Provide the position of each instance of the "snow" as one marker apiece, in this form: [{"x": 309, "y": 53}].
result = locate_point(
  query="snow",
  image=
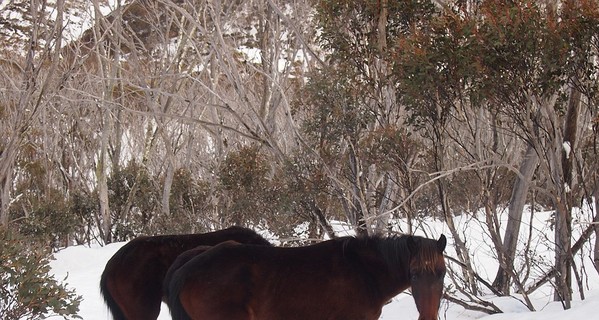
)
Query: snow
[
  {"x": 81, "y": 266},
  {"x": 567, "y": 148}
]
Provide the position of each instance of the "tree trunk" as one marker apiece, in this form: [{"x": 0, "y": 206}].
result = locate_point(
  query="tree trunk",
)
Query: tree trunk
[
  {"x": 320, "y": 218},
  {"x": 596, "y": 222},
  {"x": 563, "y": 253},
  {"x": 563, "y": 203},
  {"x": 108, "y": 72},
  {"x": 269, "y": 68},
  {"x": 102, "y": 178},
  {"x": 7, "y": 158},
  {"x": 356, "y": 207},
  {"x": 517, "y": 201},
  {"x": 168, "y": 183},
  {"x": 390, "y": 189}
]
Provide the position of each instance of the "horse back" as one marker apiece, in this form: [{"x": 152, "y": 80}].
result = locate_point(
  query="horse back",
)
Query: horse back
[{"x": 269, "y": 282}]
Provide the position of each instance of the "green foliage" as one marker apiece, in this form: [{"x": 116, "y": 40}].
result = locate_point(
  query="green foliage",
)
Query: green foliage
[
  {"x": 244, "y": 170},
  {"x": 253, "y": 189},
  {"x": 187, "y": 195},
  {"x": 521, "y": 47},
  {"x": 133, "y": 199},
  {"x": 27, "y": 290},
  {"x": 334, "y": 110},
  {"x": 391, "y": 148},
  {"x": 580, "y": 28},
  {"x": 50, "y": 218},
  {"x": 42, "y": 211},
  {"x": 190, "y": 203},
  {"x": 84, "y": 206},
  {"x": 500, "y": 56},
  {"x": 434, "y": 67},
  {"x": 349, "y": 118},
  {"x": 133, "y": 178},
  {"x": 350, "y": 28},
  {"x": 308, "y": 187},
  {"x": 245, "y": 186}
]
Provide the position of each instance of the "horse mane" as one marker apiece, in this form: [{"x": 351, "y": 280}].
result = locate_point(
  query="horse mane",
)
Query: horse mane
[
  {"x": 429, "y": 257},
  {"x": 394, "y": 250},
  {"x": 398, "y": 250}
]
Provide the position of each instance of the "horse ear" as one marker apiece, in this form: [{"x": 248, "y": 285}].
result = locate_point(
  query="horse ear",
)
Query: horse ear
[
  {"x": 441, "y": 243},
  {"x": 412, "y": 246}
]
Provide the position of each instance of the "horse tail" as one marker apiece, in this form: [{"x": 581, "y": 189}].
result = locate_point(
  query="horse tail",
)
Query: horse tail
[
  {"x": 172, "y": 290},
  {"x": 113, "y": 307}
]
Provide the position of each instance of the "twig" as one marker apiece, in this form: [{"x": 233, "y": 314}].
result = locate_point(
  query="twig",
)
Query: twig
[
  {"x": 466, "y": 305},
  {"x": 479, "y": 278}
]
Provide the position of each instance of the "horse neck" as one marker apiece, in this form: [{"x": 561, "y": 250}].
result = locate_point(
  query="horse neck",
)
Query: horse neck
[
  {"x": 394, "y": 251},
  {"x": 387, "y": 264}
]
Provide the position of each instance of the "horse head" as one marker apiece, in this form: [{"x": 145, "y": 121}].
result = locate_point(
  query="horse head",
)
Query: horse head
[{"x": 427, "y": 270}]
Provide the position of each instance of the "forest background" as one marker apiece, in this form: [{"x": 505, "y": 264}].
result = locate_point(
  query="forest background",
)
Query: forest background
[{"x": 122, "y": 118}]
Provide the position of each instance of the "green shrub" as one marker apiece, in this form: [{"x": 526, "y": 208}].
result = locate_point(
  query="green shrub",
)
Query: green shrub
[{"x": 27, "y": 290}]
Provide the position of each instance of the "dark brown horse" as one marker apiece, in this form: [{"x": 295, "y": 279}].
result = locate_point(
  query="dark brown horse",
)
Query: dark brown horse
[
  {"x": 341, "y": 279},
  {"x": 132, "y": 280},
  {"x": 182, "y": 259}
]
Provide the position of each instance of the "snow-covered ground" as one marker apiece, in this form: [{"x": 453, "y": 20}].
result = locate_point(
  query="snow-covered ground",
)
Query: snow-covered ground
[{"x": 82, "y": 267}]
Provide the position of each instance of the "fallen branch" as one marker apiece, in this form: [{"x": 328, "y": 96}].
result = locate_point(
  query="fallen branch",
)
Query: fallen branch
[{"x": 486, "y": 307}]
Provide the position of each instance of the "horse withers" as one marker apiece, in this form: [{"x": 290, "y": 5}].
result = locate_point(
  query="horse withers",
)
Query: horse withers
[
  {"x": 182, "y": 259},
  {"x": 131, "y": 283},
  {"x": 345, "y": 279}
]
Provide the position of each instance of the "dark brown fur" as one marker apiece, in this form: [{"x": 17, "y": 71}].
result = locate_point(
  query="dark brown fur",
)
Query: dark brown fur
[
  {"x": 344, "y": 279},
  {"x": 182, "y": 259},
  {"x": 131, "y": 283}
]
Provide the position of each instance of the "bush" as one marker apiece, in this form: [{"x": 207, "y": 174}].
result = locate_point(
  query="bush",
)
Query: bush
[
  {"x": 27, "y": 290},
  {"x": 49, "y": 218}
]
